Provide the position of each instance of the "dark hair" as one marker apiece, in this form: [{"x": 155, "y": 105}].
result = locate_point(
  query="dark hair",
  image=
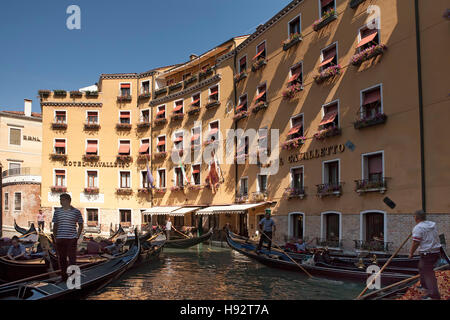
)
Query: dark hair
[
  {"x": 65, "y": 196},
  {"x": 118, "y": 241},
  {"x": 421, "y": 215},
  {"x": 15, "y": 238}
]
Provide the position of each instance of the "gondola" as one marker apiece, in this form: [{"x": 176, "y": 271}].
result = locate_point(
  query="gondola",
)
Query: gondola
[
  {"x": 150, "y": 250},
  {"x": 22, "y": 231},
  {"x": 113, "y": 234},
  {"x": 187, "y": 243},
  {"x": 279, "y": 259},
  {"x": 92, "y": 279}
]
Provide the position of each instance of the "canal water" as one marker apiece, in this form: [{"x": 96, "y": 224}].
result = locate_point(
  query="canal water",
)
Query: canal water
[{"x": 206, "y": 272}]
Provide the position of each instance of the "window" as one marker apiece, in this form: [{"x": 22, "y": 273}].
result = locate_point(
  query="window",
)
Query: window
[
  {"x": 205, "y": 67},
  {"x": 294, "y": 26},
  {"x": 296, "y": 127},
  {"x": 92, "y": 117},
  {"x": 60, "y": 146},
  {"x": 329, "y": 57},
  {"x": 260, "y": 51},
  {"x": 145, "y": 116},
  {"x": 214, "y": 93},
  {"x": 161, "y": 114},
  {"x": 373, "y": 167},
  {"x": 125, "y": 217},
  {"x": 178, "y": 141},
  {"x": 296, "y": 77},
  {"x": 124, "y": 147},
  {"x": 14, "y": 168},
  {"x": 242, "y": 107},
  {"x": 331, "y": 173},
  {"x": 297, "y": 225},
  {"x": 371, "y": 103},
  {"x": 196, "y": 174},
  {"x": 144, "y": 180},
  {"x": 178, "y": 177},
  {"x": 374, "y": 228},
  {"x": 92, "y": 179},
  {"x": 17, "y": 201},
  {"x": 15, "y": 136},
  {"x": 262, "y": 182},
  {"x": 186, "y": 76},
  {"x": 145, "y": 147},
  {"x": 243, "y": 64},
  {"x": 331, "y": 116},
  {"x": 170, "y": 82},
  {"x": 60, "y": 178},
  {"x": 297, "y": 179},
  {"x": 369, "y": 38},
  {"x": 243, "y": 147},
  {"x": 178, "y": 107},
  {"x": 161, "y": 178},
  {"x": 145, "y": 88},
  {"x": 332, "y": 227},
  {"x": 125, "y": 117},
  {"x": 213, "y": 133},
  {"x": 92, "y": 217},
  {"x": 326, "y": 5},
  {"x": 60, "y": 117},
  {"x": 195, "y": 101},
  {"x": 92, "y": 147},
  {"x": 6, "y": 197},
  {"x": 244, "y": 187},
  {"x": 261, "y": 96},
  {"x": 161, "y": 144},
  {"x": 125, "y": 179},
  {"x": 125, "y": 89},
  {"x": 195, "y": 140}
]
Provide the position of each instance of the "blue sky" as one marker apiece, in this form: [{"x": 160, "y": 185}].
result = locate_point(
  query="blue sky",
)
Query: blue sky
[{"x": 38, "y": 51}]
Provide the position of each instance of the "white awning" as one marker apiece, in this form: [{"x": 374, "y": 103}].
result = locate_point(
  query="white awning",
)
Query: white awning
[
  {"x": 232, "y": 209},
  {"x": 155, "y": 211},
  {"x": 182, "y": 211}
]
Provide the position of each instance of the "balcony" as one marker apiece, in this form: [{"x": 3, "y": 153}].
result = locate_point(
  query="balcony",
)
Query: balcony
[
  {"x": 160, "y": 155},
  {"x": 91, "y": 157},
  {"x": 367, "y": 54},
  {"x": 259, "y": 196},
  {"x": 91, "y": 94},
  {"x": 76, "y": 94},
  {"x": 295, "y": 193},
  {"x": 159, "y": 121},
  {"x": 240, "y": 76},
  {"x": 161, "y": 91},
  {"x": 175, "y": 87},
  {"x": 143, "y": 191},
  {"x": 327, "y": 133},
  {"x": 327, "y": 189},
  {"x": 293, "y": 143},
  {"x": 91, "y": 126},
  {"x": 58, "y": 125},
  {"x": 240, "y": 115},
  {"x": 292, "y": 41},
  {"x": 205, "y": 74},
  {"x": 124, "y": 191},
  {"x": 241, "y": 198},
  {"x": 123, "y": 126},
  {"x": 143, "y": 124},
  {"x": 126, "y": 98},
  {"x": 373, "y": 245},
  {"x": 259, "y": 106},
  {"x": 58, "y": 189},
  {"x": 59, "y": 93},
  {"x": 258, "y": 64},
  {"x": 326, "y": 19},
  {"x": 375, "y": 185},
  {"x": 365, "y": 122},
  {"x": 328, "y": 73},
  {"x": 292, "y": 91},
  {"x": 143, "y": 157},
  {"x": 91, "y": 190},
  {"x": 44, "y": 93},
  {"x": 58, "y": 156},
  {"x": 177, "y": 116},
  {"x": 144, "y": 95},
  {"x": 188, "y": 81},
  {"x": 194, "y": 110},
  {"x": 329, "y": 243},
  {"x": 20, "y": 175},
  {"x": 124, "y": 158}
]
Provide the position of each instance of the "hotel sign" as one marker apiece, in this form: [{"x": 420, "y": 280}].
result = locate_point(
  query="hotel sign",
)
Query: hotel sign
[
  {"x": 92, "y": 164},
  {"x": 317, "y": 153},
  {"x": 30, "y": 138}
]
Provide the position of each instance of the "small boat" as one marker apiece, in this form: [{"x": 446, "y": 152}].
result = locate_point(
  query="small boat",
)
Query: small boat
[
  {"x": 279, "y": 259},
  {"x": 114, "y": 234},
  {"x": 23, "y": 231},
  {"x": 188, "y": 242},
  {"x": 92, "y": 279},
  {"x": 151, "y": 249}
]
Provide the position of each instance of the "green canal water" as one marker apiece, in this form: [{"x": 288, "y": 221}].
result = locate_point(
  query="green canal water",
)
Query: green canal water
[{"x": 206, "y": 272}]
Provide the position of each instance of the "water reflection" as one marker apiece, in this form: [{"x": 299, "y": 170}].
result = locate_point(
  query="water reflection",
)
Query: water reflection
[{"x": 204, "y": 272}]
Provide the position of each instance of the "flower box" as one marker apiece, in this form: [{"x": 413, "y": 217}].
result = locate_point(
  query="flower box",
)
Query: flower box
[
  {"x": 160, "y": 155},
  {"x": 204, "y": 74},
  {"x": 293, "y": 143},
  {"x": 326, "y": 19},
  {"x": 124, "y": 98},
  {"x": 91, "y": 190},
  {"x": 123, "y": 126},
  {"x": 292, "y": 41},
  {"x": 193, "y": 110},
  {"x": 59, "y": 126},
  {"x": 328, "y": 73},
  {"x": 189, "y": 81},
  {"x": 367, "y": 54},
  {"x": 58, "y": 189},
  {"x": 92, "y": 94},
  {"x": 58, "y": 156},
  {"x": 258, "y": 64},
  {"x": 161, "y": 91},
  {"x": 177, "y": 116},
  {"x": 355, "y": 3},
  {"x": 124, "y": 191},
  {"x": 195, "y": 187},
  {"x": 175, "y": 86},
  {"x": 240, "y": 76},
  {"x": 159, "y": 121},
  {"x": 59, "y": 93},
  {"x": 91, "y": 157},
  {"x": 160, "y": 190},
  {"x": 143, "y": 96},
  {"x": 44, "y": 93},
  {"x": 76, "y": 94},
  {"x": 143, "y": 157},
  {"x": 329, "y": 189},
  {"x": 241, "y": 198},
  {"x": 291, "y": 91},
  {"x": 367, "y": 185},
  {"x": 177, "y": 188},
  {"x": 124, "y": 158},
  {"x": 326, "y": 133},
  {"x": 259, "y": 106},
  {"x": 240, "y": 115},
  {"x": 143, "y": 191},
  {"x": 143, "y": 125},
  {"x": 125, "y": 224},
  {"x": 91, "y": 126},
  {"x": 259, "y": 196},
  {"x": 368, "y": 122},
  {"x": 92, "y": 224},
  {"x": 293, "y": 193},
  {"x": 212, "y": 104}
]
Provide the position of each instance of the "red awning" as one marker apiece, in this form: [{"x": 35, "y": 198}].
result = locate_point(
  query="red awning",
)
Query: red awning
[
  {"x": 259, "y": 96},
  {"x": 195, "y": 137},
  {"x": 92, "y": 114},
  {"x": 240, "y": 106},
  {"x": 294, "y": 130},
  {"x": 213, "y": 131},
  {"x": 375, "y": 164},
  {"x": 178, "y": 107},
  {"x": 125, "y": 85},
  {"x": 60, "y": 144},
  {"x": 60, "y": 172},
  {"x": 179, "y": 139},
  {"x": 60, "y": 113},
  {"x": 325, "y": 2},
  {"x": 214, "y": 92},
  {"x": 259, "y": 53},
  {"x": 144, "y": 148},
  {"x": 161, "y": 143},
  {"x": 325, "y": 62},
  {"x": 372, "y": 96},
  {"x": 124, "y": 148},
  {"x": 91, "y": 147},
  {"x": 367, "y": 39},
  {"x": 294, "y": 77},
  {"x": 125, "y": 115},
  {"x": 328, "y": 117},
  {"x": 161, "y": 112},
  {"x": 194, "y": 102},
  {"x": 196, "y": 171}
]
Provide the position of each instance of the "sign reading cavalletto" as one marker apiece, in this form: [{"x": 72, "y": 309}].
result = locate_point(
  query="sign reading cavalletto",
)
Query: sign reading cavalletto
[
  {"x": 317, "y": 153},
  {"x": 96, "y": 164}
]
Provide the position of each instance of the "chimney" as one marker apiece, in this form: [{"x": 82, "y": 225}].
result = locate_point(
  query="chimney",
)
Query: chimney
[
  {"x": 27, "y": 107},
  {"x": 193, "y": 56}
]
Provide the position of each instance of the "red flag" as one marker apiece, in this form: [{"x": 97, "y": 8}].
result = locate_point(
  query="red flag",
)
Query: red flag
[{"x": 213, "y": 177}]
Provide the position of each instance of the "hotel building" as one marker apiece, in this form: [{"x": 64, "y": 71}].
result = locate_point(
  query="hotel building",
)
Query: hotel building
[{"x": 356, "y": 89}]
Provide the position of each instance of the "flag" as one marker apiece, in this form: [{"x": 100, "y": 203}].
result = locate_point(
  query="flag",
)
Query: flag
[
  {"x": 213, "y": 178},
  {"x": 150, "y": 179}
]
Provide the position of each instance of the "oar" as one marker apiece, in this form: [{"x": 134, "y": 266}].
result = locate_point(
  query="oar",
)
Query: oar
[
  {"x": 180, "y": 232},
  {"x": 384, "y": 267},
  {"x": 155, "y": 236}
]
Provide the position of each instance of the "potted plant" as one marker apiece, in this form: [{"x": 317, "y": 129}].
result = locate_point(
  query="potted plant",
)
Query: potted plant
[
  {"x": 58, "y": 156},
  {"x": 291, "y": 91},
  {"x": 177, "y": 116},
  {"x": 91, "y": 157},
  {"x": 145, "y": 124},
  {"x": 123, "y": 126},
  {"x": 204, "y": 74},
  {"x": 124, "y": 191},
  {"x": 91, "y": 190},
  {"x": 238, "y": 77},
  {"x": 176, "y": 188},
  {"x": 259, "y": 63},
  {"x": 58, "y": 189},
  {"x": 160, "y": 190},
  {"x": 59, "y": 93},
  {"x": 240, "y": 115},
  {"x": 143, "y": 157},
  {"x": 293, "y": 143},
  {"x": 160, "y": 155},
  {"x": 91, "y": 126},
  {"x": 194, "y": 110},
  {"x": 327, "y": 17},
  {"x": 76, "y": 94},
  {"x": 293, "y": 40},
  {"x": 294, "y": 193},
  {"x": 212, "y": 103},
  {"x": 159, "y": 121},
  {"x": 190, "y": 80},
  {"x": 368, "y": 53},
  {"x": 44, "y": 93},
  {"x": 328, "y": 73},
  {"x": 124, "y": 158},
  {"x": 91, "y": 94},
  {"x": 125, "y": 98},
  {"x": 370, "y": 121},
  {"x": 59, "y": 126},
  {"x": 144, "y": 95},
  {"x": 259, "y": 106},
  {"x": 328, "y": 132},
  {"x": 143, "y": 191}
]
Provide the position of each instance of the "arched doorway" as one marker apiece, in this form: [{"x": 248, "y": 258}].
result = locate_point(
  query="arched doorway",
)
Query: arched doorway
[
  {"x": 296, "y": 225},
  {"x": 331, "y": 229}
]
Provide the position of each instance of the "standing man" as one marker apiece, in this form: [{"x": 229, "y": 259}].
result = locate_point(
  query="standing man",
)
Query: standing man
[
  {"x": 65, "y": 220},
  {"x": 265, "y": 226},
  {"x": 425, "y": 237},
  {"x": 168, "y": 228},
  {"x": 41, "y": 220}
]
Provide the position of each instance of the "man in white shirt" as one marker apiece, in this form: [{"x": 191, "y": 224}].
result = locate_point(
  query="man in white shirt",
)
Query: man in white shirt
[
  {"x": 426, "y": 238},
  {"x": 168, "y": 228}
]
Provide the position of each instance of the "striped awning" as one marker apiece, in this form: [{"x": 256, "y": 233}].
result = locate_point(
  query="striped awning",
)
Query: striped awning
[
  {"x": 182, "y": 211},
  {"x": 231, "y": 209},
  {"x": 158, "y": 211}
]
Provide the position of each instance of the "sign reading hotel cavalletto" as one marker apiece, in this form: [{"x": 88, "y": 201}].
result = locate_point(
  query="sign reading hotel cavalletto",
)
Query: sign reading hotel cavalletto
[
  {"x": 96, "y": 164},
  {"x": 317, "y": 153}
]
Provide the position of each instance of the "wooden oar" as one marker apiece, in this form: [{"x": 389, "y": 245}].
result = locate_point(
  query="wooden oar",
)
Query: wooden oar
[
  {"x": 155, "y": 236},
  {"x": 180, "y": 232},
  {"x": 304, "y": 270},
  {"x": 384, "y": 267}
]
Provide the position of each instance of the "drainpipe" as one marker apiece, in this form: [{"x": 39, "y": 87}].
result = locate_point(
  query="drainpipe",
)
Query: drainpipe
[
  {"x": 235, "y": 122},
  {"x": 421, "y": 127}
]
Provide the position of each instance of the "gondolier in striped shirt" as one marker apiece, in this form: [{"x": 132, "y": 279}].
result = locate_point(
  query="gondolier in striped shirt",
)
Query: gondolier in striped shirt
[{"x": 65, "y": 220}]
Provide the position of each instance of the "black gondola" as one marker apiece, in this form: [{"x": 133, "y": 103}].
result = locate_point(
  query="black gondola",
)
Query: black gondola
[
  {"x": 92, "y": 279},
  {"x": 23, "y": 231},
  {"x": 187, "y": 243},
  {"x": 150, "y": 250},
  {"x": 279, "y": 259}
]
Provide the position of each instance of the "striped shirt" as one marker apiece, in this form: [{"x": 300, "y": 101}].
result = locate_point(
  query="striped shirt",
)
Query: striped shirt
[{"x": 67, "y": 222}]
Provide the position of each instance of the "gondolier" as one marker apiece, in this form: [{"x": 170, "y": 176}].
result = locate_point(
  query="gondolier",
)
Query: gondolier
[
  {"x": 168, "y": 228},
  {"x": 425, "y": 237},
  {"x": 41, "y": 220},
  {"x": 65, "y": 220},
  {"x": 267, "y": 228}
]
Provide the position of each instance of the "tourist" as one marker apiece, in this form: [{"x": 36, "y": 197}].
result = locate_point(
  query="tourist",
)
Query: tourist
[
  {"x": 425, "y": 237},
  {"x": 16, "y": 251},
  {"x": 115, "y": 248},
  {"x": 41, "y": 220},
  {"x": 267, "y": 228},
  {"x": 65, "y": 220},
  {"x": 168, "y": 228},
  {"x": 301, "y": 245}
]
